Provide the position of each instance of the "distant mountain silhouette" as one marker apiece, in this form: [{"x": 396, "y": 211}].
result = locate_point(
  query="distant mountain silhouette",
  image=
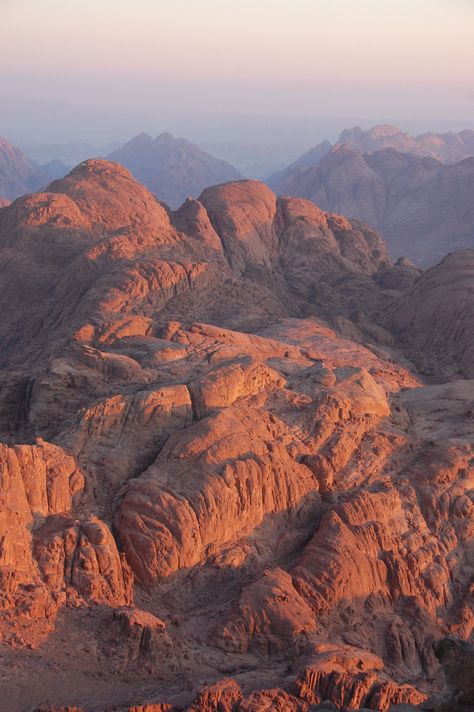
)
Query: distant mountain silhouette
[
  {"x": 18, "y": 175},
  {"x": 257, "y": 159},
  {"x": 55, "y": 169},
  {"x": 447, "y": 147},
  {"x": 70, "y": 154},
  {"x": 172, "y": 168}
]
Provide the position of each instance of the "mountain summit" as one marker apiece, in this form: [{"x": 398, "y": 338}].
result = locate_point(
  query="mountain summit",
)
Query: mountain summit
[{"x": 172, "y": 168}]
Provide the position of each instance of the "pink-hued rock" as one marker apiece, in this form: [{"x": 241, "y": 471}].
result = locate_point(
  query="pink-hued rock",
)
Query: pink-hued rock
[
  {"x": 37, "y": 481},
  {"x": 82, "y": 559},
  {"x": 225, "y": 481}
]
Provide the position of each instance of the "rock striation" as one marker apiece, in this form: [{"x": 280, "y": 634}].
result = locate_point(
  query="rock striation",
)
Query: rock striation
[{"x": 236, "y": 469}]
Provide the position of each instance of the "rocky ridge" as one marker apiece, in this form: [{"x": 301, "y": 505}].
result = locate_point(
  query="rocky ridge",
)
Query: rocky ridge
[
  {"x": 229, "y": 479},
  {"x": 449, "y": 147}
]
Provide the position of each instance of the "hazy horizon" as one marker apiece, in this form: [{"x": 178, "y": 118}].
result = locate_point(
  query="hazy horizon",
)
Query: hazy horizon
[{"x": 120, "y": 67}]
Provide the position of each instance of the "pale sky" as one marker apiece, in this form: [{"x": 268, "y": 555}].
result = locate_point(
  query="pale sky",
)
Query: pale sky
[
  {"x": 400, "y": 58},
  {"x": 301, "y": 40}
]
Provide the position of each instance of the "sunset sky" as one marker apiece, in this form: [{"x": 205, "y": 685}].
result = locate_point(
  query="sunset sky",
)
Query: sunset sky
[{"x": 392, "y": 58}]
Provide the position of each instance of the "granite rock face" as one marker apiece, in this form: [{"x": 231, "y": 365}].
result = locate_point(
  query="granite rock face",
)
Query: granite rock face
[{"x": 229, "y": 478}]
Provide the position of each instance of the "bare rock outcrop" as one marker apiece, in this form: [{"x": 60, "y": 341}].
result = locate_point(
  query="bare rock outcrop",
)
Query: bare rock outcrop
[
  {"x": 434, "y": 320},
  {"x": 37, "y": 481},
  {"x": 210, "y": 487},
  {"x": 229, "y": 383},
  {"x": 225, "y": 482},
  {"x": 82, "y": 559},
  {"x": 224, "y": 696}
]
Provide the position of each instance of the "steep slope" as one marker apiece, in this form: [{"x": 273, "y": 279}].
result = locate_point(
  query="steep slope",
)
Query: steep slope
[
  {"x": 172, "y": 168},
  {"x": 18, "y": 175},
  {"x": 422, "y": 207},
  {"x": 435, "y": 319},
  {"x": 277, "y": 181},
  {"x": 216, "y": 460}
]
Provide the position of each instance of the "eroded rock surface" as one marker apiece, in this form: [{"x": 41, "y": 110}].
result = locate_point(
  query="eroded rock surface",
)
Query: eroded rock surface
[{"x": 228, "y": 478}]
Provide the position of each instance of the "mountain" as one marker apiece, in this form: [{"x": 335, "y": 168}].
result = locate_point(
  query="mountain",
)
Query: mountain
[
  {"x": 443, "y": 296},
  {"x": 18, "y": 175},
  {"x": 172, "y": 168},
  {"x": 55, "y": 169},
  {"x": 447, "y": 147},
  {"x": 422, "y": 207},
  {"x": 236, "y": 456},
  {"x": 279, "y": 179}
]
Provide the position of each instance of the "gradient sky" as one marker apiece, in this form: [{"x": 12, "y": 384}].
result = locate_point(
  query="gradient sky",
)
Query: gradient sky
[{"x": 409, "y": 59}]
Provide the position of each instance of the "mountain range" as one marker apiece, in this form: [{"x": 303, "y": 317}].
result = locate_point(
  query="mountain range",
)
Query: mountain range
[
  {"x": 449, "y": 147},
  {"x": 423, "y": 208},
  {"x": 172, "y": 168},
  {"x": 236, "y": 458}
]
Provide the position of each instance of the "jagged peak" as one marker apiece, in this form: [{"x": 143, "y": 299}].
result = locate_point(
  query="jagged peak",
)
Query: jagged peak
[
  {"x": 166, "y": 137},
  {"x": 141, "y": 139}
]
